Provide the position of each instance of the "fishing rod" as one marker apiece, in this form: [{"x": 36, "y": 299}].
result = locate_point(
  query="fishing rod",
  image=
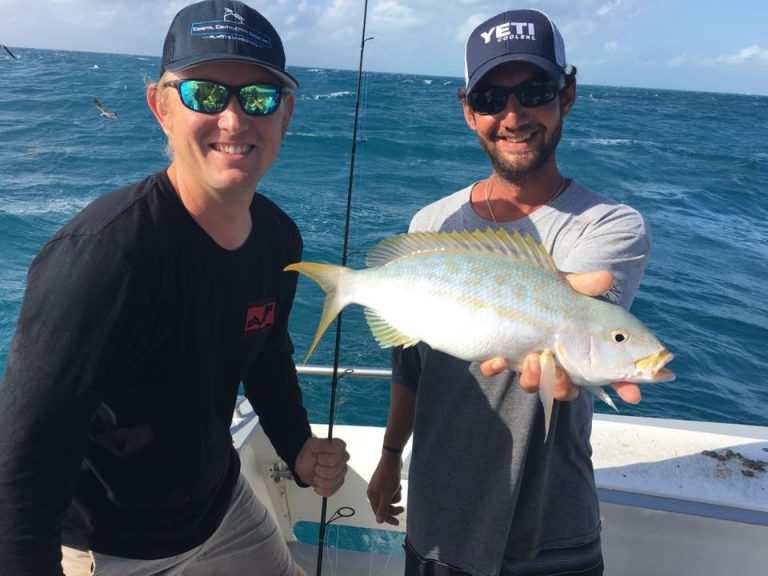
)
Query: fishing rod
[{"x": 344, "y": 253}]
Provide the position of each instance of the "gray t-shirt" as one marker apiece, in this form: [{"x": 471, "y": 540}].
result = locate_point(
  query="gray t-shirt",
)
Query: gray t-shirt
[{"x": 484, "y": 490}]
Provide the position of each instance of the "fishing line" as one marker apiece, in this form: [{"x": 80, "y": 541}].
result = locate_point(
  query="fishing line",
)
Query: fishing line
[
  {"x": 355, "y": 249},
  {"x": 345, "y": 249}
]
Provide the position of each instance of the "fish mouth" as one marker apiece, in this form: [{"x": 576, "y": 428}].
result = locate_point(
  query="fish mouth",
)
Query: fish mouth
[{"x": 652, "y": 366}]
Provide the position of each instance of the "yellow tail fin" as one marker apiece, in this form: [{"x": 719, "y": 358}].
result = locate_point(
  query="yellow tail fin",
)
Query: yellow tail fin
[{"x": 328, "y": 277}]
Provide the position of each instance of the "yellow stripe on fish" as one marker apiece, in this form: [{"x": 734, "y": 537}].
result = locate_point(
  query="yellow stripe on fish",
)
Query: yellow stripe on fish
[{"x": 488, "y": 293}]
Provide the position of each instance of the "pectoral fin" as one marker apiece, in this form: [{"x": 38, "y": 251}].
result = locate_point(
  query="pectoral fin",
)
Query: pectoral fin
[
  {"x": 547, "y": 387},
  {"x": 385, "y": 333},
  {"x": 602, "y": 394}
]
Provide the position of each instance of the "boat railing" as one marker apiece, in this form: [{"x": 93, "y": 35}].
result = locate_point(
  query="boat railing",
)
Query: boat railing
[{"x": 343, "y": 371}]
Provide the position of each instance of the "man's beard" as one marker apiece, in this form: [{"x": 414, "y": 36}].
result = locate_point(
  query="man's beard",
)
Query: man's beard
[{"x": 523, "y": 171}]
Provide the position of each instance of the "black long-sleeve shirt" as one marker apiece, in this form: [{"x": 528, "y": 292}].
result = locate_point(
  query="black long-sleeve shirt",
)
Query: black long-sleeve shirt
[{"x": 135, "y": 333}]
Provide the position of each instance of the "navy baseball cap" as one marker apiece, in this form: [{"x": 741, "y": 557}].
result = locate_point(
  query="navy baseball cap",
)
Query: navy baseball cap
[
  {"x": 223, "y": 30},
  {"x": 514, "y": 36}
]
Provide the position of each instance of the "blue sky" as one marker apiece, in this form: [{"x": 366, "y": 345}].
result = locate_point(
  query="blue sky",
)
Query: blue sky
[{"x": 709, "y": 45}]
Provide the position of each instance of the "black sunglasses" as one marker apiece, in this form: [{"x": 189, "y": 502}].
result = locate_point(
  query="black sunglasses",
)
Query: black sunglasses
[
  {"x": 486, "y": 99},
  {"x": 211, "y": 97}
]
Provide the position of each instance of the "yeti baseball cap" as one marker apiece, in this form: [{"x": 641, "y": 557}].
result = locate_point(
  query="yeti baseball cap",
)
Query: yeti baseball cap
[
  {"x": 223, "y": 30},
  {"x": 514, "y": 36}
]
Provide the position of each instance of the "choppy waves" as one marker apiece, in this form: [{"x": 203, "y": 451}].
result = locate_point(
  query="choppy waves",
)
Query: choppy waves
[{"x": 694, "y": 164}]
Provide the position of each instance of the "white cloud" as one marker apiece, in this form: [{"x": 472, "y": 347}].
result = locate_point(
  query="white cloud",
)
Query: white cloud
[
  {"x": 753, "y": 53},
  {"x": 611, "y": 46},
  {"x": 318, "y": 22},
  {"x": 678, "y": 61},
  {"x": 393, "y": 14},
  {"x": 463, "y": 31},
  {"x": 608, "y": 7}
]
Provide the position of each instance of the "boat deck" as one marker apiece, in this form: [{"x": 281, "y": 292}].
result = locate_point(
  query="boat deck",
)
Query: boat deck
[{"x": 677, "y": 497}]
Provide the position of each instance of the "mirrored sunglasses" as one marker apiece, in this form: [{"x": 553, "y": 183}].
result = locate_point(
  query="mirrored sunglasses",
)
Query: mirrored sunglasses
[
  {"x": 486, "y": 99},
  {"x": 211, "y": 97}
]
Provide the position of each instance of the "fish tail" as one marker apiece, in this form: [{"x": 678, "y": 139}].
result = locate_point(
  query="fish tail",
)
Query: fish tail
[{"x": 328, "y": 277}]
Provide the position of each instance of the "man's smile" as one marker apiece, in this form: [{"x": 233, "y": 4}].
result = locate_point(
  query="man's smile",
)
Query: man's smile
[{"x": 233, "y": 148}]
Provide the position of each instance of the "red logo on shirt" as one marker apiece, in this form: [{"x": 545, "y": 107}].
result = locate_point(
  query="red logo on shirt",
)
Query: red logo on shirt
[{"x": 260, "y": 315}]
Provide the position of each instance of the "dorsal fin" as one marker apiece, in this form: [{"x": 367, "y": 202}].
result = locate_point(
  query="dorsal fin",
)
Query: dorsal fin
[{"x": 490, "y": 241}]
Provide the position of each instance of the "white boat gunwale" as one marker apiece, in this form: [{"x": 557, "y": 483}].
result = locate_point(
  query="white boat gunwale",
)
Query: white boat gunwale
[{"x": 659, "y": 487}]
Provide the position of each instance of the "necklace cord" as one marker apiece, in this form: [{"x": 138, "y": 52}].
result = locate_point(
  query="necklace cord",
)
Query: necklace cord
[
  {"x": 489, "y": 186},
  {"x": 344, "y": 253}
]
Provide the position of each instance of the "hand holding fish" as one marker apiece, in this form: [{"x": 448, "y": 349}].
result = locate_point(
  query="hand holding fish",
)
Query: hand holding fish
[
  {"x": 564, "y": 390},
  {"x": 590, "y": 284}
]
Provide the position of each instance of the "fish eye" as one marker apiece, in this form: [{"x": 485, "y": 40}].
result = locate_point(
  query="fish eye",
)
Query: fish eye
[{"x": 619, "y": 336}]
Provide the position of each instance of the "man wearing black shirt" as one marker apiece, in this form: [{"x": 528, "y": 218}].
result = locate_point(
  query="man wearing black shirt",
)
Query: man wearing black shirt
[{"x": 142, "y": 317}]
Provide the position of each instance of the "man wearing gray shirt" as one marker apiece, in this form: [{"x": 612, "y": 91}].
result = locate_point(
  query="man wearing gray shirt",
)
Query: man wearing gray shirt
[{"x": 487, "y": 495}]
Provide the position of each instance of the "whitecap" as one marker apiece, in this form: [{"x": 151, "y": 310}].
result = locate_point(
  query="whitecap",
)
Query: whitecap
[
  {"x": 65, "y": 206},
  {"x": 332, "y": 95}
]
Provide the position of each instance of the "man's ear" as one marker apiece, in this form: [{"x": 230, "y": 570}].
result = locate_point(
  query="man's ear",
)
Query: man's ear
[
  {"x": 567, "y": 98},
  {"x": 156, "y": 105},
  {"x": 469, "y": 116},
  {"x": 288, "y": 102}
]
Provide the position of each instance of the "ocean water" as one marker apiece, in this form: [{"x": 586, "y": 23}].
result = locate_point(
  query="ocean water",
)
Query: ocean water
[{"x": 695, "y": 165}]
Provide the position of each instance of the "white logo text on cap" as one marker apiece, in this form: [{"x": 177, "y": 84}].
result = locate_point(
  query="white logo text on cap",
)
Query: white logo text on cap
[{"x": 510, "y": 31}]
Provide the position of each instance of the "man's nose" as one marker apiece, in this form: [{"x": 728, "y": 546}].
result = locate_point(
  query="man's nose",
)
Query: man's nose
[{"x": 233, "y": 114}]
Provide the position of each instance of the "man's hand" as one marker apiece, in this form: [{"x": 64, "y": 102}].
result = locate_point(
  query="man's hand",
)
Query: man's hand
[
  {"x": 323, "y": 464},
  {"x": 591, "y": 284},
  {"x": 384, "y": 489}
]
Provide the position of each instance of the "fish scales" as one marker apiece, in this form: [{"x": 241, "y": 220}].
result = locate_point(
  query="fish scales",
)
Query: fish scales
[
  {"x": 453, "y": 303},
  {"x": 481, "y": 294}
]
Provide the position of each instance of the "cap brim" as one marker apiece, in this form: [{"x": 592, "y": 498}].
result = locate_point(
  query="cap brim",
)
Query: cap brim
[
  {"x": 546, "y": 65},
  {"x": 287, "y": 80}
]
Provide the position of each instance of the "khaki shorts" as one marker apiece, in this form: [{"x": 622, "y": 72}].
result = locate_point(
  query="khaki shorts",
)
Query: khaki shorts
[{"x": 247, "y": 540}]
